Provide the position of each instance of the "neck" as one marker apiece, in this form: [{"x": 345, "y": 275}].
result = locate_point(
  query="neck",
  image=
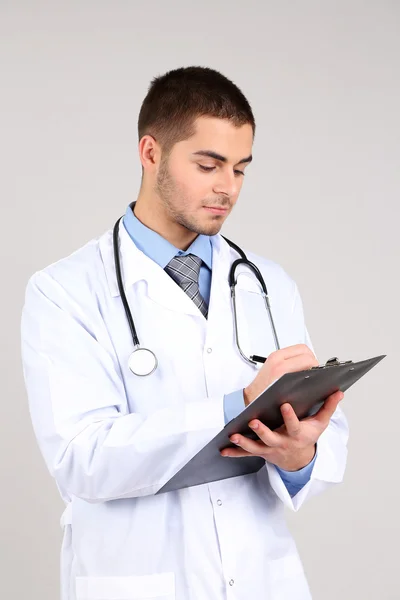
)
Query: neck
[{"x": 151, "y": 213}]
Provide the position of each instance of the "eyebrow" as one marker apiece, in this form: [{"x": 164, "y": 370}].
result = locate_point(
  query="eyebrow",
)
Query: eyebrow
[{"x": 211, "y": 154}]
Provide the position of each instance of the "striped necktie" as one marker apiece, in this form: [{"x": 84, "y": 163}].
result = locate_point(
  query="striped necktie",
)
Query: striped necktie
[{"x": 185, "y": 270}]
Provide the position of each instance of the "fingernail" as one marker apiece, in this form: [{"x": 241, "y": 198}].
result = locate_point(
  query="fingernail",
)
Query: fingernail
[
  {"x": 235, "y": 440},
  {"x": 254, "y": 425}
]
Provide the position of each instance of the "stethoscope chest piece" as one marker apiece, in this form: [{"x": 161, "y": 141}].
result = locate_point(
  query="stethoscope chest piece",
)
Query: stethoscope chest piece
[{"x": 142, "y": 362}]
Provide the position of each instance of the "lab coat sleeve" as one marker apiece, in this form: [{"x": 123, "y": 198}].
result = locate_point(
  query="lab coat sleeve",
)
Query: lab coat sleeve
[
  {"x": 296, "y": 480},
  {"x": 93, "y": 446},
  {"x": 330, "y": 463}
]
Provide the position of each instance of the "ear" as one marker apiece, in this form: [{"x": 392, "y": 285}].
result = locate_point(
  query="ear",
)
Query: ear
[{"x": 149, "y": 152}]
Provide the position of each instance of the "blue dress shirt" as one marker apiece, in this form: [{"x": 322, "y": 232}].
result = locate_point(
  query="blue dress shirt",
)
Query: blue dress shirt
[{"x": 161, "y": 251}]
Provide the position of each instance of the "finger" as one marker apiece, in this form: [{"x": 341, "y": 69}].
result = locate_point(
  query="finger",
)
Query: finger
[
  {"x": 235, "y": 452},
  {"x": 251, "y": 446},
  {"x": 291, "y": 352},
  {"x": 268, "y": 437},
  {"x": 328, "y": 408},
  {"x": 291, "y": 421},
  {"x": 294, "y": 364}
]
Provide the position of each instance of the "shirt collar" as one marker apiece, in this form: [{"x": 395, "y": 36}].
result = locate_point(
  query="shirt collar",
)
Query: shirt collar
[{"x": 158, "y": 248}]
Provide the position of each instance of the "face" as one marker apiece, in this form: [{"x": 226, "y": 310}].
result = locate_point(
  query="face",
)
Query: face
[{"x": 199, "y": 183}]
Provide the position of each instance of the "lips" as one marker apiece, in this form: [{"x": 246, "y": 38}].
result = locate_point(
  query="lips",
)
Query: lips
[{"x": 216, "y": 210}]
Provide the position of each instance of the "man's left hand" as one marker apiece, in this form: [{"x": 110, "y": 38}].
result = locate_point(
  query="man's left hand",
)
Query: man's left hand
[{"x": 292, "y": 446}]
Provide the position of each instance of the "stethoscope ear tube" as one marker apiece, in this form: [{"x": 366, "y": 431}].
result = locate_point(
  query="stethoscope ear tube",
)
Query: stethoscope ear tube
[
  {"x": 250, "y": 265},
  {"x": 232, "y": 283}
]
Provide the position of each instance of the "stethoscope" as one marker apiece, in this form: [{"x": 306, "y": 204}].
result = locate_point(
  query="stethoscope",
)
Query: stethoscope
[{"x": 142, "y": 361}]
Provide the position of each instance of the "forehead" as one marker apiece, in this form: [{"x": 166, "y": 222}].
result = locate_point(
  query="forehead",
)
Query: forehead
[{"x": 221, "y": 136}]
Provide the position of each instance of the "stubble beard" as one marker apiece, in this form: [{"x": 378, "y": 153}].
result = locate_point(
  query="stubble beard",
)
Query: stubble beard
[{"x": 169, "y": 193}]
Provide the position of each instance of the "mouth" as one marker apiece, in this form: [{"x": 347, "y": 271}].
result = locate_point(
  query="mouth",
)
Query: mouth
[{"x": 216, "y": 210}]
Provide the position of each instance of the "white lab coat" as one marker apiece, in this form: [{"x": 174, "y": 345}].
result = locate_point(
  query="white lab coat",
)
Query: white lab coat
[{"x": 112, "y": 439}]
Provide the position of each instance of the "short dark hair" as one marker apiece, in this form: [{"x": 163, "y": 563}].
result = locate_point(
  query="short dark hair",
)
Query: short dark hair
[{"x": 176, "y": 99}]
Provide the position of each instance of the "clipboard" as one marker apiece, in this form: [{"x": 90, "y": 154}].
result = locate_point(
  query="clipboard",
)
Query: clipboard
[{"x": 305, "y": 390}]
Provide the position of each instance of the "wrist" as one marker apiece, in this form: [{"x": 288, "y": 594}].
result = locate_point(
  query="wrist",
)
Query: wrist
[
  {"x": 249, "y": 394},
  {"x": 301, "y": 460},
  {"x": 246, "y": 396}
]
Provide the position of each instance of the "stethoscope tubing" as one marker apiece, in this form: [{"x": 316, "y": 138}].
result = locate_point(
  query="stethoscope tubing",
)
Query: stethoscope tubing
[
  {"x": 118, "y": 273},
  {"x": 243, "y": 260}
]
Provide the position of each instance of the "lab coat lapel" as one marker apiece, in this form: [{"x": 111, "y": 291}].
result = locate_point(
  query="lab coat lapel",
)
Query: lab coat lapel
[
  {"x": 220, "y": 291},
  {"x": 161, "y": 288},
  {"x": 135, "y": 267}
]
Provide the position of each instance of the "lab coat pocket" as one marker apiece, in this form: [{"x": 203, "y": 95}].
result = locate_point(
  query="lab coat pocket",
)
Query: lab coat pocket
[{"x": 160, "y": 586}]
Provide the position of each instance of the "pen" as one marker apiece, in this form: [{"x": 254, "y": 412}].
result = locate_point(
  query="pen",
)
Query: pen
[{"x": 257, "y": 358}]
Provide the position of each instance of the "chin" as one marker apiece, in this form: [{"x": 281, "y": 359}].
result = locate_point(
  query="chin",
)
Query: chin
[
  {"x": 209, "y": 226},
  {"x": 211, "y": 229}
]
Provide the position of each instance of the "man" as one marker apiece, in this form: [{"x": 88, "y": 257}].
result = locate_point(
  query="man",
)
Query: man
[{"x": 112, "y": 439}]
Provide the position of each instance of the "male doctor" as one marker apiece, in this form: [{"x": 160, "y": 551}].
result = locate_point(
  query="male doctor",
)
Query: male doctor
[{"x": 112, "y": 439}]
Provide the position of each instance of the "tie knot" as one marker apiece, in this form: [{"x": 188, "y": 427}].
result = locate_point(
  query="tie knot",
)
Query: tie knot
[{"x": 184, "y": 268}]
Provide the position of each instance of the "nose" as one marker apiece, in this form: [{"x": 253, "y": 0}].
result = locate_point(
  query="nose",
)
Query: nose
[{"x": 227, "y": 183}]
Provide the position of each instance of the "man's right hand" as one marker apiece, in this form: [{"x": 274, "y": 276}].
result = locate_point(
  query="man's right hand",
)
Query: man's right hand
[{"x": 286, "y": 360}]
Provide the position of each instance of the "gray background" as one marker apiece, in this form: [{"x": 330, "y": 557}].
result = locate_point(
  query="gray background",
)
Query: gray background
[{"x": 321, "y": 198}]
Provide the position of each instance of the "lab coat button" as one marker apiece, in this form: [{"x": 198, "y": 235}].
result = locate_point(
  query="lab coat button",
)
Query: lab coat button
[
  {"x": 209, "y": 350},
  {"x": 219, "y": 502},
  {"x": 231, "y": 582}
]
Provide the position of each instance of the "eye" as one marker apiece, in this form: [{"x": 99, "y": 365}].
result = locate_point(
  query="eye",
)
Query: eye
[{"x": 208, "y": 169}]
